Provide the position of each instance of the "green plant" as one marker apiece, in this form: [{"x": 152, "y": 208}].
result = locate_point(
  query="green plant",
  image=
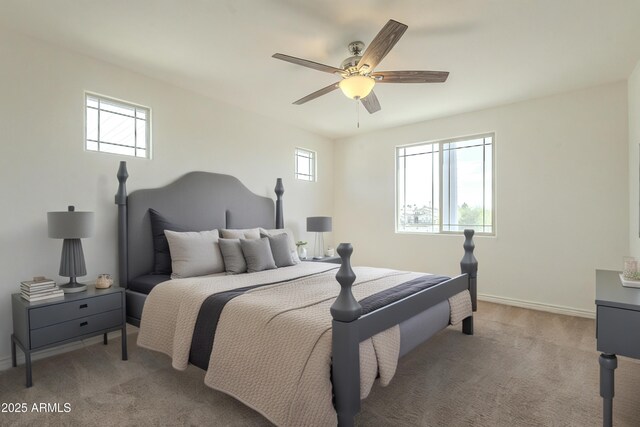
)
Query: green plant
[{"x": 300, "y": 243}]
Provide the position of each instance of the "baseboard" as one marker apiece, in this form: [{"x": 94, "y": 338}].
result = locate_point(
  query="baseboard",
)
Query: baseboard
[
  {"x": 5, "y": 361},
  {"x": 551, "y": 308}
]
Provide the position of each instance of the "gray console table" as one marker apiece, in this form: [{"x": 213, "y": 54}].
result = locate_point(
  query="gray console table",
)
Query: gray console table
[
  {"x": 617, "y": 317},
  {"x": 44, "y": 324}
]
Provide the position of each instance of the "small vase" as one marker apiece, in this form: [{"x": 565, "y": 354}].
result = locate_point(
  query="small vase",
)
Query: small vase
[{"x": 302, "y": 252}]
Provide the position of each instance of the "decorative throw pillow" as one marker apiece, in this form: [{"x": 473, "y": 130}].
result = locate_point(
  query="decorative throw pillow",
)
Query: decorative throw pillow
[
  {"x": 292, "y": 242},
  {"x": 234, "y": 262},
  {"x": 161, "y": 255},
  {"x": 194, "y": 253},
  {"x": 257, "y": 254},
  {"x": 246, "y": 233},
  {"x": 280, "y": 250}
]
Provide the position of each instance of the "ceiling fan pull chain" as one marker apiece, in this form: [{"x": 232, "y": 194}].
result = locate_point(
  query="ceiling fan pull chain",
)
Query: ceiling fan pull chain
[{"x": 358, "y": 111}]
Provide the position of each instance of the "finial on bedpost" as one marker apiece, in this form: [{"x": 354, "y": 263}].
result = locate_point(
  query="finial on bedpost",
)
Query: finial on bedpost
[
  {"x": 469, "y": 265},
  {"x": 121, "y": 195},
  {"x": 345, "y": 308},
  {"x": 121, "y": 201},
  {"x": 279, "y": 214}
]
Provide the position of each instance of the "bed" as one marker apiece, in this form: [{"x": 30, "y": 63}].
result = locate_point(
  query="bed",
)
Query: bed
[{"x": 314, "y": 337}]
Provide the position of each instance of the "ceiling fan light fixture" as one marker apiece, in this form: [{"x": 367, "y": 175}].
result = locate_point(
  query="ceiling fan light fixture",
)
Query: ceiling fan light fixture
[{"x": 357, "y": 87}]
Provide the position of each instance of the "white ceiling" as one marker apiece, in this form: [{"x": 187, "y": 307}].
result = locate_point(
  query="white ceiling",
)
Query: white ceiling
[{"x": 498, "y": 51}]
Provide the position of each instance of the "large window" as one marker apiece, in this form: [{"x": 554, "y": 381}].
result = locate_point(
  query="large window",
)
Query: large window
[
  {"x": 117, "y": 127},
  {"x": 446, "y": 186},
  {"x": 305, "y": 164}
]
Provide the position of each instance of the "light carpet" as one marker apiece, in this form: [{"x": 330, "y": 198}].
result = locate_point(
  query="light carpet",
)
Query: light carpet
[{"x": 521, "y": 368}]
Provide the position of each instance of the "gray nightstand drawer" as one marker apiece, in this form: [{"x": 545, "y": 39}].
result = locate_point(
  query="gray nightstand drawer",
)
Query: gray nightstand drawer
[
  {"x": 616, "y": 331},
  {"x": 58, "y": 313},
  {"x": 74, "y": 328}
]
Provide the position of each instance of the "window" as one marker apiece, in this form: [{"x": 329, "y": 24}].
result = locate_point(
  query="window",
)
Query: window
[
  {"x": 305, "y": 164},
  {"x": 117, "y": 127},
  {"x": 446, "y": 186}
]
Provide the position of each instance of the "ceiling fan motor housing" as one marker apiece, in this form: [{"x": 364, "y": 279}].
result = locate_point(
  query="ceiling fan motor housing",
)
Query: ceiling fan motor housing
[
  {"x": 350, "y": 62},
  {"x": 355, "y": 48}
]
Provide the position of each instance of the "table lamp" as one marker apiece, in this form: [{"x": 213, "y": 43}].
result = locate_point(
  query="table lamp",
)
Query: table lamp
[
  {"x": 319, "y": 225},
  {"x": 71, "y": 226}
]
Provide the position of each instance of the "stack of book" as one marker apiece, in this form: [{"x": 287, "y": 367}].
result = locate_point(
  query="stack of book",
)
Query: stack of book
[{"x": 40, "y": 288}]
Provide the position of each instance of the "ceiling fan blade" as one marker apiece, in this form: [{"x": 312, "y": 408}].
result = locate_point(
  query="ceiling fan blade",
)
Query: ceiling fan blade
[
  {"x": 308, "y": 64},
  {"x": 382, "y": 44},
  {"x": 410, "y": 76},
  {"x": 371, "y": 102},
  {"x": 316, "y": 94}
]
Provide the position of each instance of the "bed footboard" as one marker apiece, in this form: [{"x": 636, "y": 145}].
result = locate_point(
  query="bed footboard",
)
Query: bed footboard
[{"x": 350, "y": 327}]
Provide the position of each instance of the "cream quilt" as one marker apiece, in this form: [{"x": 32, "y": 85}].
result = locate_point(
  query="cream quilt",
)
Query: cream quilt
[{"x": 272, "y": 347}]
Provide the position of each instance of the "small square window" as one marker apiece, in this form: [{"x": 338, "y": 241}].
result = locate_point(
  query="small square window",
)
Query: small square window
[
  {"x": 116, "y": 127},
  {"x": 305, "y": 166}
]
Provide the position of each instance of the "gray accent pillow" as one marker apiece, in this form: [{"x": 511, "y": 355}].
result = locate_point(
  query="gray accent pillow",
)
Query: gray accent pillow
[
  {"x": 161, "y": 254},
  {"x": 194, "y": 253},
  {"x": 234, "y": 262},
  {"x": 257, "y": 254},
  {"x": 280, "y": 250},
  {"x": 292, "y": 242},
  {"x": 246, "y": 233}
]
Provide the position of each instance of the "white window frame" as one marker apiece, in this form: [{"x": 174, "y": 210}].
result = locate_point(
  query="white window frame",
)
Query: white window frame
[
  {"x": 125, "y": 104},
  {"x": 441, "y": 144},
  {"x": 313, "y": 157}
]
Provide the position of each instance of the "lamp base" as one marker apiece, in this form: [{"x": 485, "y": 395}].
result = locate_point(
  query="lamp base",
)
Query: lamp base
[
  {"x": 73, "y": 287},
  {"x": 318, "y": 246}
]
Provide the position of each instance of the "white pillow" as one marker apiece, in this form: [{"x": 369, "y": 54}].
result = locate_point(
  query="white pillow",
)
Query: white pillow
[
  {"x": 245, "y": 233},
  {"x": 194, "y": 253},
  {"x": 292, "y": 241}
]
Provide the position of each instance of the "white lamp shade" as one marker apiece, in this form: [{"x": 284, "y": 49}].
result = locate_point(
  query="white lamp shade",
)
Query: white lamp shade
[
  {"x": 357, "y": 87},
  {"x": 70, "y": 224}
]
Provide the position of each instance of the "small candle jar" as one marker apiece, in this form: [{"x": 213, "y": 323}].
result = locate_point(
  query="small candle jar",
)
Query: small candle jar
[{"x": 630, "y": 270}]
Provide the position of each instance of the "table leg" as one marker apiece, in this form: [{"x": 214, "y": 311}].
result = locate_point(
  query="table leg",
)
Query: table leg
[
  {"x": 27, "y": 359},
  {"x": 104, "y": 339},
  {"x": 608, "y": 363},
  {"x": 14, "y": 361},
  {"x": 124, "y": 342}
]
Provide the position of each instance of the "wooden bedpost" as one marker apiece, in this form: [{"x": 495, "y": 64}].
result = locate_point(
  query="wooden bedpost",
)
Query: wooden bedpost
[
  {"x": 279, "y": 192},
  {"x": 469, "y": 265},
  {"x": 346, "y": 344},
  {"x": 121, "y": 201}
]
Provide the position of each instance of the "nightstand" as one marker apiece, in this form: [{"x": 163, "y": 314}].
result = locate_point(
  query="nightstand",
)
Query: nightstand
[
  {"x": 331, "y": 259},
  {"x": 50, "y": 323}
]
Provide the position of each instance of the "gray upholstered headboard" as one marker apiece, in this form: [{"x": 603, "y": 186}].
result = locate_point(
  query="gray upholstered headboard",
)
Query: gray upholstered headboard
[{"x": 196, "y": 201}]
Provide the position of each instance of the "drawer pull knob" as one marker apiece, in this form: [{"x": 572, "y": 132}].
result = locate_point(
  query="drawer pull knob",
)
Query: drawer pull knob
[
  {"x": 84, "y": 323},
  {"x": 83, "y": 306}
]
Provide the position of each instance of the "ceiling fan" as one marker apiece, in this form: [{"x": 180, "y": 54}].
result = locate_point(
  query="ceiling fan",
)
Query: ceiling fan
[{"x": 357, "y": 71}]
